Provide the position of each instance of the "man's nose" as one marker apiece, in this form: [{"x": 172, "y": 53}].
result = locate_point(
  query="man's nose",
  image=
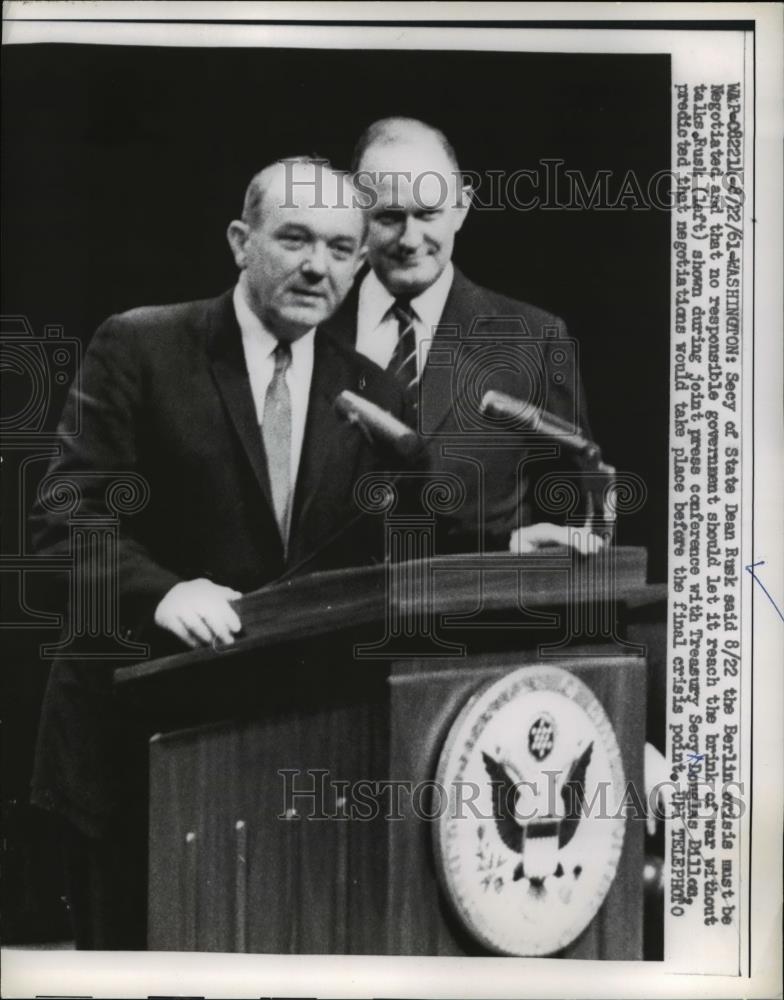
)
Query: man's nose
[
  {"x": 315, "y": 263},
  {"x": 410, "y": 235}
]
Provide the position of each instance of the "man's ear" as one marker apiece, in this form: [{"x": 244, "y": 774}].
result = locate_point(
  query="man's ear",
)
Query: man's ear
[
  {"x": 237, "y": 234},
  {"x": 463, "y": 202}
]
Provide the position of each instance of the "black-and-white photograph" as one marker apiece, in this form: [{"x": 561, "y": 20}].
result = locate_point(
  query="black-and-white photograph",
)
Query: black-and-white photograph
[{"x": 361, "y": 487}]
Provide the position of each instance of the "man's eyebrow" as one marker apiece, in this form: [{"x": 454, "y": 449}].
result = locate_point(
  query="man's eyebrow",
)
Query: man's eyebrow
[{"x": 287, "y": 226}]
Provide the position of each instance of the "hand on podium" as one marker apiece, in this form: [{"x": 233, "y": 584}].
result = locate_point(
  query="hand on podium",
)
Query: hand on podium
[
  {"x": 199, "y": 612},
  {"x": 533, "y": 537}
]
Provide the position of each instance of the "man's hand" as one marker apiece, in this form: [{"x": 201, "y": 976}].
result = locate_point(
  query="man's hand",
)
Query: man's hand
[
  {"x": 199, "y": 613},
  {"x": 537, "y": 536}
]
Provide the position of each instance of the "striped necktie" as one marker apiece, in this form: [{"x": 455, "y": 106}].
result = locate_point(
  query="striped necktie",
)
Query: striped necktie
[
  {"x": 403, "y": 364},
  {"x": 276, "y": 433}
]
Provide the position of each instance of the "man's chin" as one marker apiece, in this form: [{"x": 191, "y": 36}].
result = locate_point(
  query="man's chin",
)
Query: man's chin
[
  {"x": 410, "y": 280},
  {"x": 295, "y": 321}
]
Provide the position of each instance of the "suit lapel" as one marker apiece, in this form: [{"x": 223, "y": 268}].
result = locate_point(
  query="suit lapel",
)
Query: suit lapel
[
  {"x": 231, "y": 377},
  {"x": 324, "y": 429},
  {"x": 343, "y": 325},
  {"x": 438, "y": 389}
]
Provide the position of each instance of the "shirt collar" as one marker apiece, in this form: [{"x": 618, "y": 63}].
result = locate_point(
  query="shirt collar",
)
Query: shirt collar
[
  {"x": 252, "y": 327},
  {"x": 375, "y": 300}
]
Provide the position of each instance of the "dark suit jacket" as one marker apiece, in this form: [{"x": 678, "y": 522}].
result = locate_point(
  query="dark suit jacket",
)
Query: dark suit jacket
[
  {"x": 488, "y": 341},
  {"x": 165, "y": 394}
]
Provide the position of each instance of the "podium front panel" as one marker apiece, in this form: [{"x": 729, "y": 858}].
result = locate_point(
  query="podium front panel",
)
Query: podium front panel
[
  {"x": 238, "y": 863},
  {"x": 426, "y": 697}
]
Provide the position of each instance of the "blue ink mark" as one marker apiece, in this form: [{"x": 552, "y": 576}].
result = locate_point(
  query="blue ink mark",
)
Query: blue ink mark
[
  {"x": 694, "y": 761},
  {"x": 750, "y": 569}
]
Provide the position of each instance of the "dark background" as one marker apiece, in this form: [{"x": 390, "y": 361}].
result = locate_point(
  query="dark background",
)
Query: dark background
[{"x": 122, "y": 167}]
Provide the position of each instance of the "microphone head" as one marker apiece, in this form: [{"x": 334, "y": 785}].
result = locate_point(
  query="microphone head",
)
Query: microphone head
[
  {"x": 378, "y": 424},
  {"x": 526, "y": 417},
  {"x": 344, "y": 406},
  {"x": 501, "y": 406}
]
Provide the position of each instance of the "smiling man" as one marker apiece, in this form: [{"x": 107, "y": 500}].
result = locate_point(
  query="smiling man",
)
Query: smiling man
[
  {"x": 448, "y": 341},
  {"x": 224, "y": 408}
]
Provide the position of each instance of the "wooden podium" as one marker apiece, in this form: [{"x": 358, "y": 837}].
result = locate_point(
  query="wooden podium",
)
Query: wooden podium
[{"x": 260, "y": 840}]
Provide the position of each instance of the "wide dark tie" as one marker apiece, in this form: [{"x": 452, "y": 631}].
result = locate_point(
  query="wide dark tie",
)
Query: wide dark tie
[
  {"x": 276, "y": 433},
  {"x": 403, "y": 364}
]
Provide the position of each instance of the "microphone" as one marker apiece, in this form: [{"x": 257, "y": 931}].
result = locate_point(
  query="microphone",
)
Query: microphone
[
  {"x": 599, "y": 477},
  {"x": 499, "y": 404},
  {"x": 377, "y": 424}
]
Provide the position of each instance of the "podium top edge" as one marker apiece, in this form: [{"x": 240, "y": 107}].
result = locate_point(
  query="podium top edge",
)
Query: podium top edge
[{"x": 320, "y": 604}]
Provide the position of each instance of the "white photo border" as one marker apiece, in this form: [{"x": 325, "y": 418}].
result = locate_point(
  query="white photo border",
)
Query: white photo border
[{"x": 27, "y": 973}]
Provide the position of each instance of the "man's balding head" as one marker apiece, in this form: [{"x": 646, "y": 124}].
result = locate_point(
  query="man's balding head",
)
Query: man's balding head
[
  {"x": 402, "y": 131},
  {"x": 417, "y": 200},
  {"x": 295, "y": 172},
  {"x": 298, "y": 244}
]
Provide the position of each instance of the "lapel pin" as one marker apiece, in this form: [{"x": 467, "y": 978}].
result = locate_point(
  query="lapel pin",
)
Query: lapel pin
[{"x": 361, "y": 383}]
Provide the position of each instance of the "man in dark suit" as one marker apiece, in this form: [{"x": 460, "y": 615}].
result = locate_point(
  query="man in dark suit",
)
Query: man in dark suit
[
  {"x": 224, "y": 409},
  {"x": 449, "y": 341}
]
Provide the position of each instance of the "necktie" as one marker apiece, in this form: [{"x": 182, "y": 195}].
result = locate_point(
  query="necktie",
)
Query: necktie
[
  {"x": 403, "y": 364},
  {"x": 276, "y": 433}
]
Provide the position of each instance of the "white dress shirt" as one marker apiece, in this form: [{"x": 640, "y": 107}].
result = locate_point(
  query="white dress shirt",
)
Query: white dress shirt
[
  {"x": 259, "y": 347},
  {"x": 377, "y": 328}
]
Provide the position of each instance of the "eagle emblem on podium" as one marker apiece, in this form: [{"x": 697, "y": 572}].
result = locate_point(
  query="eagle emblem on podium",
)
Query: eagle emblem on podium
[
  {"x": 528, "y": 866},
  {"x": 547, "y": 833}
]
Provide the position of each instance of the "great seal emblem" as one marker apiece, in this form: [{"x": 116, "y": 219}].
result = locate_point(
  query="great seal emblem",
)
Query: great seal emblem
[{"x": 530, "y": 843}]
